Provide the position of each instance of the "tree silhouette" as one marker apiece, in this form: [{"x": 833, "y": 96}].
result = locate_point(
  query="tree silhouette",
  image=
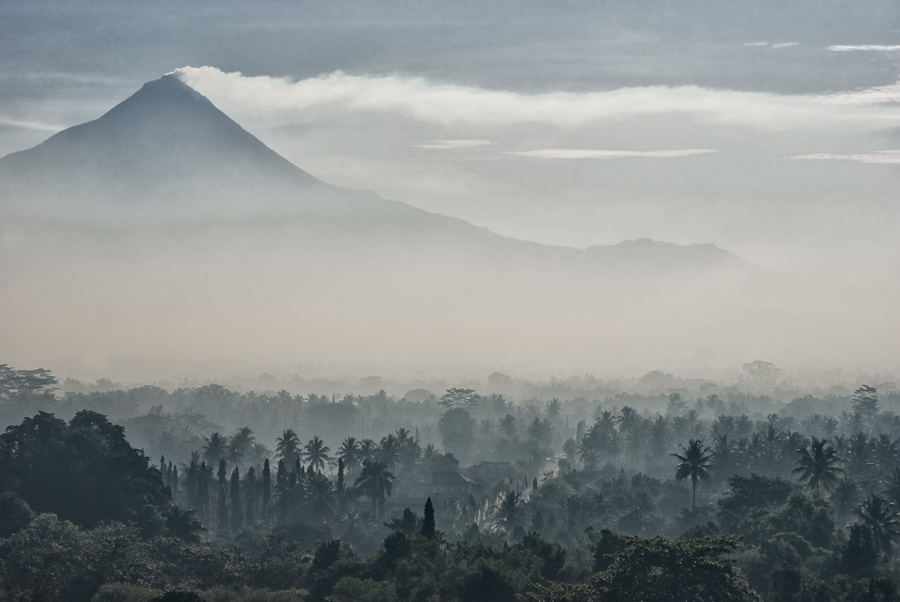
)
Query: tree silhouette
[
  {"x": 349, "y": 453},
  {"x": 693, "y": 464},
  {"x": 215, "y": 448},
  {"x": 316, "y": 453},
  {"x": 865, "y": 402},
  {"x": 237, "y": 515},
  {"x": 508, "y": 426},
  {"x": 376, "y": 482},
  {"x": 266, "y": 489},
  {"x": 428, "y": 524},
  {"x": 879, "y": 515},
  {"x": 389, "y": 451},
  {"x": 818, "y": 465},
  {"x": 507, "y": 511},
  {"x": 288, "y": 446}
]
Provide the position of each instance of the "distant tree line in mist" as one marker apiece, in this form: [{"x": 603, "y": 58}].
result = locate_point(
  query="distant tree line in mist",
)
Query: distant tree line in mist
[{"x": 460, "y": 496}]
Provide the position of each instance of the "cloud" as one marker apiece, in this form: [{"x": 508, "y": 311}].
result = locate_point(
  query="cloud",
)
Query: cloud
[
  {"x": 869, "y": 47},
  {"x": 447, "y": 104},
  {"x": 30, "y": 125},
  {"x": 452, "y": 144},
  {"x": 756, "y": 44},
  {"x": 877, "y": 157},
  {"x": 879, "y": 95},
  {"x": 611, "y": 154},
  {"x": 785, "y": 45}
]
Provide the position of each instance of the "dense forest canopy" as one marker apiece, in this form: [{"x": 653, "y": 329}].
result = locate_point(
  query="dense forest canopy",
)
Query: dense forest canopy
[{"x": 668, "y": 489}]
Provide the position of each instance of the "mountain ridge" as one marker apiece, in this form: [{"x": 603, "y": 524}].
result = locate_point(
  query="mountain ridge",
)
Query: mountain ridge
[{"x": 166, "y": 146}]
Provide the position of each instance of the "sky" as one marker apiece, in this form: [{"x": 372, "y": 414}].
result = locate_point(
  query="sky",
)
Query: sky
[{"x": 770, "y": 129}]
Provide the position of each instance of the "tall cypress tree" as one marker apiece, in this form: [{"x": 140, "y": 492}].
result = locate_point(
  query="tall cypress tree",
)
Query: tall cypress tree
[
  {"x": 251, "y": 495},
  {"x": 266, "y": 490},
  {"x": 174, "y": 482},
  {"x": 222, "y": 510},
  {"x": 237, "y": 515},
  {"x": 190, "y": 485},
  {"x": 162, "y": 467},
  {"x": 428, "y": 523},
  {"x": 281, "y": 477},
  {"x": 222, "y": 520},
  {"x": 340, "y": 486},
  {"x": 203, "y": 494}
]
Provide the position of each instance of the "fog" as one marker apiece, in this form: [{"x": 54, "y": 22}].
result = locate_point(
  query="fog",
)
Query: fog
[{"x": 509, "y": 149}]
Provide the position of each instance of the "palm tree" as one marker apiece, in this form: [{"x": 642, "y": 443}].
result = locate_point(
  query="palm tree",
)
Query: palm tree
[
  {"x": 316, "y": 453},
  {"x": 243, "y": 439},
  {"x": 507, "y": 511},
  {"x": 288, "y": 447},
  {"x": 389, "y": 451},
  {"x": 554, "y": 409},
  {"x": 376, "y": 482},
  {"x": 320, "y": 496},
  {"x": 693, "y": 464},
  {"x": 879, "y": 515},
  {"x": 508, "y": 426},
  {"x": 540, "y": 430},
  {"x": 892, "y": 487},
  {"x": 215, "y": 448},
  {"x": 845, "y": 498},
  {"x": 403, "y": 436},
  {"x": 367, "y": 449},
  {"x": 349, "y": 453},
  {"x": 818, "y": 465}
]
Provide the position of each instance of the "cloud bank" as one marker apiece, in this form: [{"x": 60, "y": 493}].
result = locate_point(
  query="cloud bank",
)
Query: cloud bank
[
  {"x": 864, "y": 47},
  {"x": 30, "y": 125},
  {"x": 446, "y": 104},
  {"x": 452, "y": 144},
  {"x": 878, "y": 157},
  {"x": 611, "y": 154}
]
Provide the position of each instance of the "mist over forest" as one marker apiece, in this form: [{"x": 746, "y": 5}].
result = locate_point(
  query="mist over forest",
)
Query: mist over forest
[{"x": 518, "y": 301}]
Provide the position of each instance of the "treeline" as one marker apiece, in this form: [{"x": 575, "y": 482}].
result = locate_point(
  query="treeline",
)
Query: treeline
[{"x": 800, "y": 503}]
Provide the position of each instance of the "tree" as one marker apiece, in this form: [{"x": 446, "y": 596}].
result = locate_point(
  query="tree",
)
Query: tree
[
  {"x": 288, "y": 446},
  {"x": 202, "y": 496},
  {"x": 507, "y": 511},
  {"x": 266, "y": 490},
  {"x": 458, "y": 398},
  {"x": 22, "y": 390},
  {"x": 376, "y": 482},
  {"x": 428, "y": 524},
  {"x": 215, "y": 448},
  {"x": 508, "y": 426},
  {"x": 865, "y": 402},
  {"x": 659, "y": 570},
  {"x": 316, "y": 453},
  {"x": 818, "y": 465},
  {"x": 879, "y": 515},
  {"x": 84, "y": 471},
  {"x": 222, "y": 520},
  {"x": 693, "y": 464},
  {"x": 349, "y": 453},
  {"x": 237, "y": 515},
  {"x": 457, "y": 428},
  {"x": 251, "y": 495}
]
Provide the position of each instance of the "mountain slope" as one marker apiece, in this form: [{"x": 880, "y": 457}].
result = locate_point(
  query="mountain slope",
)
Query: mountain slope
[{"x": 168, "y": 154}]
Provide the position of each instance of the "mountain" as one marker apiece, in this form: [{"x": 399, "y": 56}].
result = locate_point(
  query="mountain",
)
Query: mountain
[{"x": 167, "y": 153}]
